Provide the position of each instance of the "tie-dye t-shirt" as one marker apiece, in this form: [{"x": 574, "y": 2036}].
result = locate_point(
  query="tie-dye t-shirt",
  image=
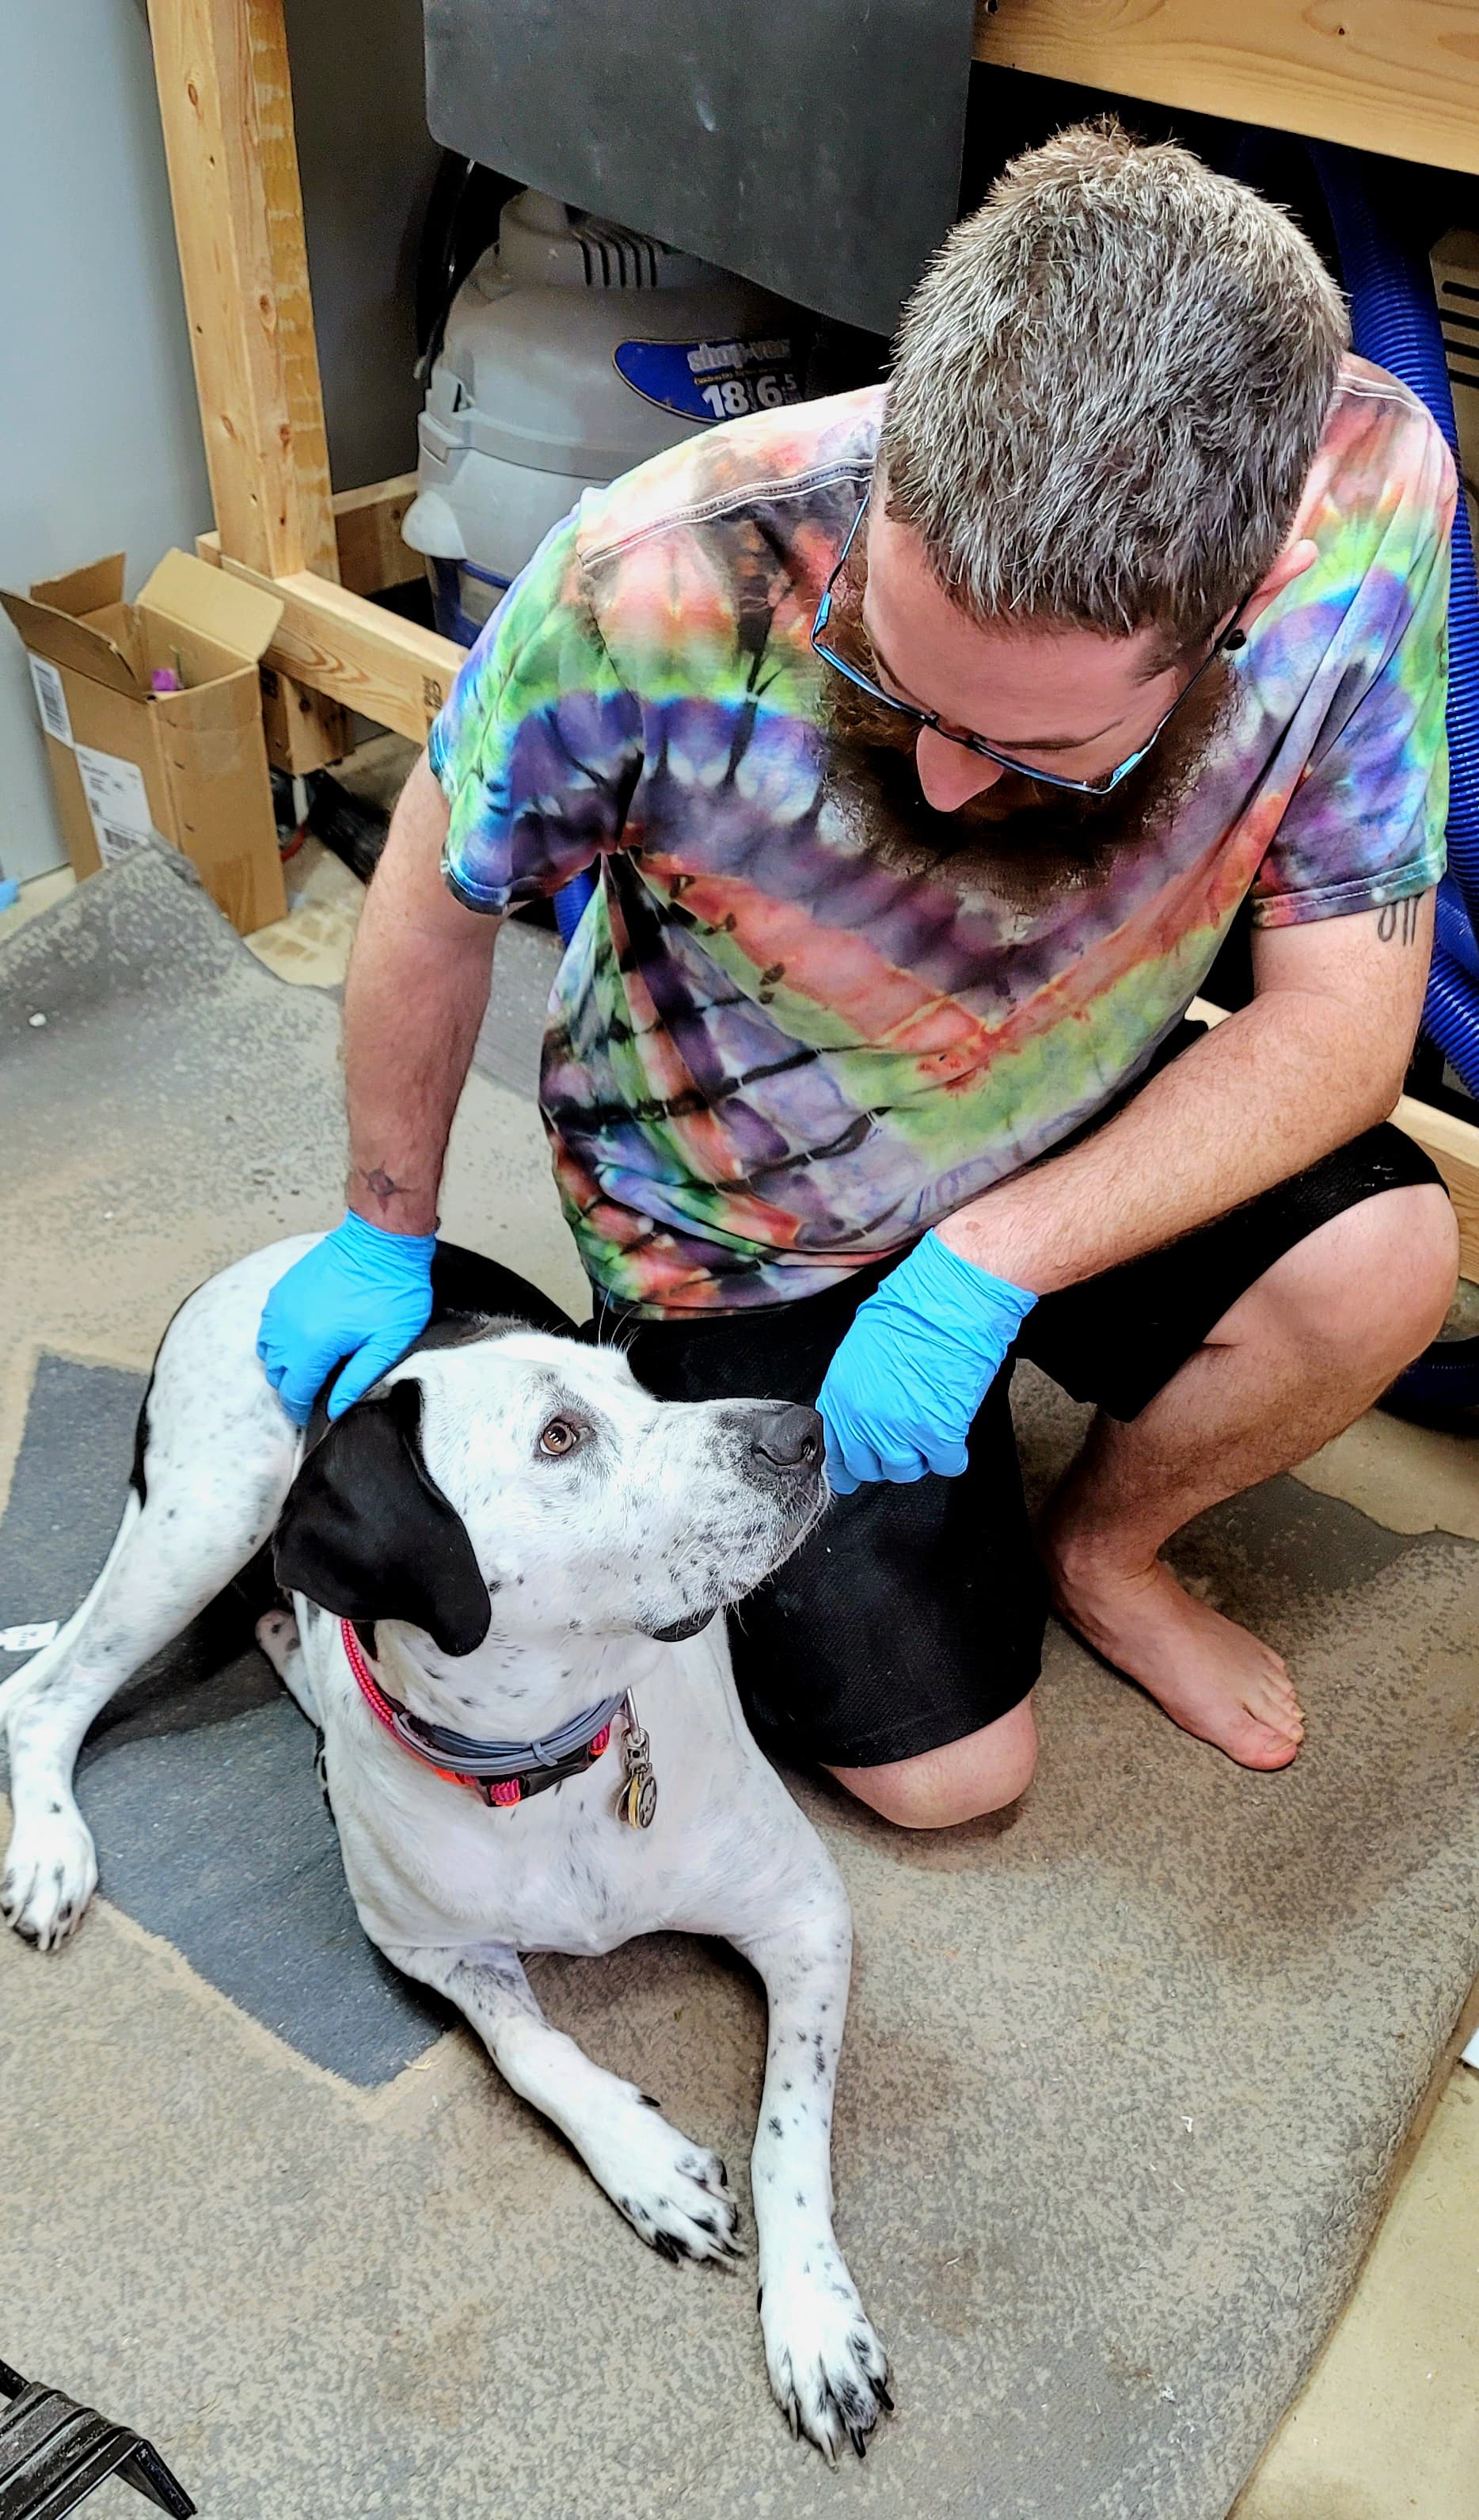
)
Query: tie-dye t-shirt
[{"x": 788, "y": 1037}]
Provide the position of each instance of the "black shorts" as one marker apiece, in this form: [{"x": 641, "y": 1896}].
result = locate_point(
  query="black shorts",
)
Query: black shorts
[{"x": 914, "y": 1615}]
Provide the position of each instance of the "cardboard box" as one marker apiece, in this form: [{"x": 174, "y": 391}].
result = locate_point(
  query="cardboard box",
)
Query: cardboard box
[{"x": 126, "y": 760}]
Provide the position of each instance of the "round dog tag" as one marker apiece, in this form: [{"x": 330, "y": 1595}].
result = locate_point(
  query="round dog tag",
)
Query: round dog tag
[{"x": 639, "y": 1801}]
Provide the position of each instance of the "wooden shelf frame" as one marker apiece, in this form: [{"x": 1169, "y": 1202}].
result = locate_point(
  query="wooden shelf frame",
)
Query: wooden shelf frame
[
  {"x": 226, "y": 103},
  {"x": 1396, "y": 76}
]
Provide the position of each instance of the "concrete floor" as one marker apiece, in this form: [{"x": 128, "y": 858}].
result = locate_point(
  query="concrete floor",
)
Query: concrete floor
[{"x": 1388, "y": 2425}]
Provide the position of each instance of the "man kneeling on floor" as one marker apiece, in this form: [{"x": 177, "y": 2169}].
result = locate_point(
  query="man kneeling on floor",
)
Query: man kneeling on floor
[{"x": 927, "y": 739}]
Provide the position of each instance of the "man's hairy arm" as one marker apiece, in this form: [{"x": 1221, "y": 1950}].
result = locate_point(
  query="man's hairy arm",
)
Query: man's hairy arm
[
  {"x": 413, "y": 1000},
  {"x": 1318, "y": 1057}
]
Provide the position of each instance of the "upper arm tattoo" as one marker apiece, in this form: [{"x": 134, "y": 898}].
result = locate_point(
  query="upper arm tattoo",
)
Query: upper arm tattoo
[{"x": 1400, "y": 923}]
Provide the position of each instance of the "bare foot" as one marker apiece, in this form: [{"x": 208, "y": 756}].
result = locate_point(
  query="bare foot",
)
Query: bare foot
[{"x": 1212, "y": 1678}]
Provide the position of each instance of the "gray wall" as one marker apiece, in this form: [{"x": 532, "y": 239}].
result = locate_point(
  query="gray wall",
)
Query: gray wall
[{"x": 100, "y": 446}]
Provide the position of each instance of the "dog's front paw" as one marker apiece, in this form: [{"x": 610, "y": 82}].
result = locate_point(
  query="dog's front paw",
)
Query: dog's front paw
[
  {"x": 827, "y": 2366},
  {"x": 50, "y": 1874},
  {"x": 277, "y": 1633},
  {"x": 674, "y": 2194}
]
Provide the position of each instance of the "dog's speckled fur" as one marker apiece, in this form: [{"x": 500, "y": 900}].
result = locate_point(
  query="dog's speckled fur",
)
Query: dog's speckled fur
[{"x": 658, "y": 1515}]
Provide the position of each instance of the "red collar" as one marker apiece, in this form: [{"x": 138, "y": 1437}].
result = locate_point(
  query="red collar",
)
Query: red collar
[{"x": 549, "y": 1764}]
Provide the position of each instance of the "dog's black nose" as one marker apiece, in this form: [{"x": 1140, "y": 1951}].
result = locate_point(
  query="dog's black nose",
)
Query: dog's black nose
[{"x": 790, "y": 1437}]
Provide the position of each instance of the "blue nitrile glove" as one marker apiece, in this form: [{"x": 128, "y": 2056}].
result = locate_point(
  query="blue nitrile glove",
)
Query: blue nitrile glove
[
  {"x": 915, "y": 1368},
  {"x": 361, "y": 1294}
]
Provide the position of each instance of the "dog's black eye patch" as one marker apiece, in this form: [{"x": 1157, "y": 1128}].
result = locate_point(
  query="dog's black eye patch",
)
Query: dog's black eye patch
[{"x": 368, "y": 1534}]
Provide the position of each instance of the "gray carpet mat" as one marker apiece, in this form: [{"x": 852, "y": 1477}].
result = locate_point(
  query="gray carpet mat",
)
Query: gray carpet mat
[
  {"x": 1125, "y": 2074},
  {"x": 198, "y": 1778}
]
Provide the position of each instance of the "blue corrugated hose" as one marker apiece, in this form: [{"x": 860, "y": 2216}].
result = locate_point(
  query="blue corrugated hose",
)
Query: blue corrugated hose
[
  {"x": 1394, "y": 318},
  {"x": 1454, "y": 934},
  {"x": 570, "y": 904},
  {"x": 1450, "y": 1018}
]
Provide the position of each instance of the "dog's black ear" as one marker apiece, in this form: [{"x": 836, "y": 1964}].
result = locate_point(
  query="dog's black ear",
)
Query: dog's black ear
[{"x": 367, "y": 1533}]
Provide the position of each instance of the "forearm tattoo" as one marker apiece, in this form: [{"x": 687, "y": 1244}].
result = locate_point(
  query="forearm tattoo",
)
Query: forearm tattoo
[
  {"x": 382, "y": 1189},
  {"x": 1400, "y": 923}
]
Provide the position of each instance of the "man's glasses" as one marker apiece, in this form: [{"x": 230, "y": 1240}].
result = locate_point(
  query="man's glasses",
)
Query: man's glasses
[{"x": 1232, "y": 638}]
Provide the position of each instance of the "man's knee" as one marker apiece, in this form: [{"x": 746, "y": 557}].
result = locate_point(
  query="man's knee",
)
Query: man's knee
[
  {"x": 964, "y": 1781},
  {"x": 1407, "y": 1255},
  {"x": 1430, "y": 1234},
  {"x": 1377, "y": 1280}
]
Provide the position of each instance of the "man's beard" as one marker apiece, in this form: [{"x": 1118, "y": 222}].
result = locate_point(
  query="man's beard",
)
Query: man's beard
[{"x": 876, "y": 752}]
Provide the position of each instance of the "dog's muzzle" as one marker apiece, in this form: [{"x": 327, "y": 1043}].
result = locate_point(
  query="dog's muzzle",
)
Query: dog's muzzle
[
  {"x": 791, "y": 1438},
  {"x": 785, "y": 1446}
]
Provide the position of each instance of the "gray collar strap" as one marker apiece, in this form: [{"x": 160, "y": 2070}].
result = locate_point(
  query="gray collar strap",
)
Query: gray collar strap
[
  {"x": 508, "y": 1758},
  {"x": 487, "y": 1765}
]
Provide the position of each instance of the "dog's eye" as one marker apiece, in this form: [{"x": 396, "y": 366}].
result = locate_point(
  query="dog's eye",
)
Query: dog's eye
[{"x": 559, "y": 1436}]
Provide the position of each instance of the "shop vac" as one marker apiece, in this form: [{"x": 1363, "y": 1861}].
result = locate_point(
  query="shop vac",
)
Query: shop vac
[{"x": 573, "y": 350}]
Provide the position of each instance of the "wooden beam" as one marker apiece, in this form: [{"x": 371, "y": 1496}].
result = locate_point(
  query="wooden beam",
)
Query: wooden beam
[
  {"x": 367, "y": 658},
  {"x": 227, "y": 110},
  {"x": 304, "y": 729},
  {"x": 1452, "y": 1144},
  {"x": 368, "y": 526},
  {"x": 1399, "y": 76}
]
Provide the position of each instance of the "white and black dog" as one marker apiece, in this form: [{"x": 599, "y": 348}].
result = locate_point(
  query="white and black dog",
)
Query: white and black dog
[{"x": 505, "y": 1564}]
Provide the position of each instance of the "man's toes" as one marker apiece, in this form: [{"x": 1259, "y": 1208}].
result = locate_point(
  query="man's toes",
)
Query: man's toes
[
  {"x": 1270, "y": 1697},
  {"x": 1264, "y": 1747},
  {"x": 1267, "y": 1681}
]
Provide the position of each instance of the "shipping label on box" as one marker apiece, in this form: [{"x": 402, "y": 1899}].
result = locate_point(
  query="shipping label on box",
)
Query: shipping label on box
[
  {"x": 51, "y": 698},
  {"x": 117, "y": 801}
]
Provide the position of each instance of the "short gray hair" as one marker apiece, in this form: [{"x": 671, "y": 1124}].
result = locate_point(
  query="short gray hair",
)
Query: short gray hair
[{"x": 1108, "y": 388}]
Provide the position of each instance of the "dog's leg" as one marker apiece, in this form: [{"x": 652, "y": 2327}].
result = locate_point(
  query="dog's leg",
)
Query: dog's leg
[
  {"x": 217, "y": 1460},
  {"x": 827, "y": 2366},
  {"x": 672, "y": 2192},
  {"x": 172, "y": 1556},
  {"x": 277, "y": 1633}
]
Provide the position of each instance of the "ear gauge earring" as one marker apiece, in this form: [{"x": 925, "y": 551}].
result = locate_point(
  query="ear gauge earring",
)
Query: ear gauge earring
[{"x": 1234, "y": 640}]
